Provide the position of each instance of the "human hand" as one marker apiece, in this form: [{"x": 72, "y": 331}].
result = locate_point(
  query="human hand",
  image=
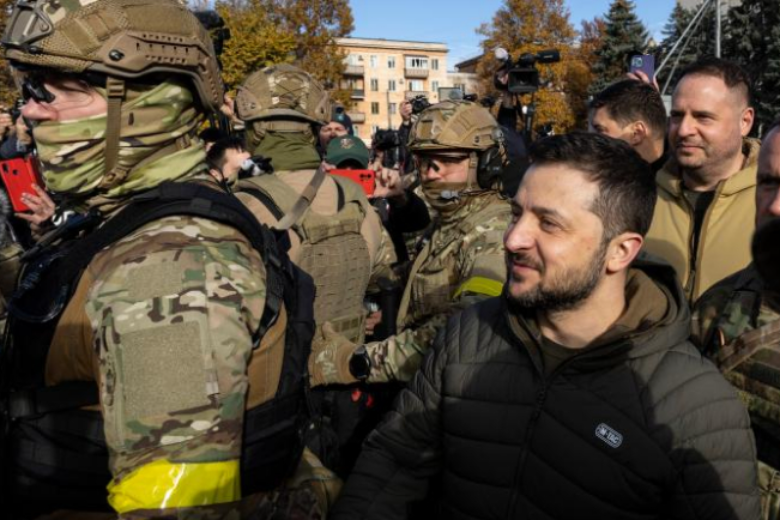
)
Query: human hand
[
  {"x": 639, "y": 75},
  {"x": 372, "y": 320},
  {"x": 22, "y": 132},
  {"x": 41, "y": 207},
  {"x": 406, "y": 110},
  {"x": 329, "y": 358},
  {"x": 388, "y": 184},
  {"x": 6, "y": 123}
]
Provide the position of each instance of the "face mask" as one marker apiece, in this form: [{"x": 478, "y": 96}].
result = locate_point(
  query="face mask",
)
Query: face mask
[{"x": 445, "y": 197}]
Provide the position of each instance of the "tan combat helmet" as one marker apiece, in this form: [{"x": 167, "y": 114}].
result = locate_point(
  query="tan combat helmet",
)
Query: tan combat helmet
[
  {"x": 285, "y": 92},
  {"x": 455, "y": 125},
  {"x": 122, "y": 39}
]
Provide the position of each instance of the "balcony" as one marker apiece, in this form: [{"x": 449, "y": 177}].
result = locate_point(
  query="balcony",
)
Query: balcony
[
  {"x": 354, "y": 70},
  {"x": 416, "y": 73},
  {"x": 358, "y": 94},
  {"x": 409, "y": 94},
  {"x": 357, "y": 117}
]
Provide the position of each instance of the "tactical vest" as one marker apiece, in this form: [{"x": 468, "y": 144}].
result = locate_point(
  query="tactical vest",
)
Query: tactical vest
[
  {"x": 54, "y": 451},
  {"x": 333, "y": 251},
  {"x": 746, "y": 341},
  {"x": 435, "y": 277}
]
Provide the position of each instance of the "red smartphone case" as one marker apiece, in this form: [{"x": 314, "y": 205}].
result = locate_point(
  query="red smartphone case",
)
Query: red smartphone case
[
  {"x": 366, "y": 178},
  {"x": 19, "y": 175}
]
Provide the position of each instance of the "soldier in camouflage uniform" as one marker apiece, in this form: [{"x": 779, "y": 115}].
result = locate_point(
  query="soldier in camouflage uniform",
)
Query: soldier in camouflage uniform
[
  {"x": 459, "y": 151},
  {"x": 166, "y": 319},
  {"x": 737, "y": 323}
]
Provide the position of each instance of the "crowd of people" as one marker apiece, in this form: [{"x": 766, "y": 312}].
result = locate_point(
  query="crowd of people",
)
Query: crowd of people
[{"x": 266, "y": 319}]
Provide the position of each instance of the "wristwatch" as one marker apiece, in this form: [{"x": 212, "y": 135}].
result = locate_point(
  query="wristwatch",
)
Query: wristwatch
[{"x": 360, "y": 364}]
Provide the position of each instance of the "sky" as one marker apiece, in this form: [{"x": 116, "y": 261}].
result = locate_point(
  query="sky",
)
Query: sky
[{"x": 454, "y": 22}]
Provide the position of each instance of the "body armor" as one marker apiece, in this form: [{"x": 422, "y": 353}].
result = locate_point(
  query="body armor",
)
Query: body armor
[
  {"x": 333, "y": 251},
  {"x": 54, "y": 451}
]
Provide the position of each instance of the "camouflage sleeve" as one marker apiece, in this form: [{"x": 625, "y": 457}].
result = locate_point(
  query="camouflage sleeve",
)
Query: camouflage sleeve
[
  {"x": 172, "y": 311},
  {"x": 481, "y": 274}
]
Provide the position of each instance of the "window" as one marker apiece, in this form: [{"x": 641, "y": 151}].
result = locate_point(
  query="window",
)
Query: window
[
  {"x": 460, "y": 86},
  {"x": 374, "y": 128},
  {"x": 416, "y": 62},
  {"x": 373, "y": 61},
  {"x": 391, "y": 85},
  {"x": 356, "y": 130},
  {"x": 435, "y": 87},
  {"x": 392, "y": 108},
  {"x": 416, "y": 85},
  {"x": 354, "y": 59},
  {"x": 435, "y": 64},
  {"x": 374, "y": 108},
  {"x": 391, "y": 62},
  {"x": 374, "y": 85}
]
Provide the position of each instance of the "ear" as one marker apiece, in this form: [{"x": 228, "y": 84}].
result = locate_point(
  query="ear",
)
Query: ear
[
  {"x": 638, "y": 133},
  {"x": 746, "y": 121},
  {"x": 622, "y": 250}
]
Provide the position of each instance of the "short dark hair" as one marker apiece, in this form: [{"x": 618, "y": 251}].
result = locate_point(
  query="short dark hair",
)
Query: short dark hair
[
  {"x": 627, "y": 191},
  {"x": 732, "y": 74},
  {"x": 631, "y": 100},
  {"x": 215, "y": 157}
]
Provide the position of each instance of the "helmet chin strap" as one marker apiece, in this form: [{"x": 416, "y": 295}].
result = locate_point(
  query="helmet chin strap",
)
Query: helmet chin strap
[{"x": 115, "y": 92}]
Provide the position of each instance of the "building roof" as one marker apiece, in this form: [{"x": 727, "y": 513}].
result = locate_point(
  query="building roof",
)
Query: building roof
[{"x": 382, "y": 43}]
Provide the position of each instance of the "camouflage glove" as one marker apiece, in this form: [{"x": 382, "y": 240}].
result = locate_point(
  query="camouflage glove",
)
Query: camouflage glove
[{"x": 329, "y": 359}]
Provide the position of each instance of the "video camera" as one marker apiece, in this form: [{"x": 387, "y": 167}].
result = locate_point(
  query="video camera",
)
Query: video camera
[
  {"x": 388, "y": 142},
  {"x": 419, "y": 103},
  {"x": 523, "y": 74}
]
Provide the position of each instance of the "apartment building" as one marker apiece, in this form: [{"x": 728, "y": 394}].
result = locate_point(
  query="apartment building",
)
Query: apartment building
[{"x": 382, "y": 73}]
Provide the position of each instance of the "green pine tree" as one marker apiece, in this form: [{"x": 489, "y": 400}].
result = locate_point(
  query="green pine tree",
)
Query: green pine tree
[
  {"x": 754, "y": 43},
  {"x": 625, "y": 35},
  {"x": 678, "y": 21}
]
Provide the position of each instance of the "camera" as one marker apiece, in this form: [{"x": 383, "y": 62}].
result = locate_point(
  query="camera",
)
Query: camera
[
  {"x": 386, "y": 140},
  {"x": 419, "y": 103},
  {"x": 523, "y": 74}
]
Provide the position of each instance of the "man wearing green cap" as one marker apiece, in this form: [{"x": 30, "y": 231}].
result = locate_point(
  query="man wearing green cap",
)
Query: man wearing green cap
[{"x": 347, "y": 152}]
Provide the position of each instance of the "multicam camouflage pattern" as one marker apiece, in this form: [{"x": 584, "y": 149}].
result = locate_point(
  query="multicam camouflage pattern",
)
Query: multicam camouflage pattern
[
  {"x": 729, "y": 311},
  {"x": 468, "y": 246},
  {"x": 455, "y": 125},
  {"x": 283, "y": 91},
  {"x": 120, "y": 38},
  {"x": 72, "y": 153}
]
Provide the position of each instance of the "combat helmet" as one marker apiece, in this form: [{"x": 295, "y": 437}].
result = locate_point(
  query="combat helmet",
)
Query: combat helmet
[
  {"x": 123, "y": 40},
  {"x": 458, "y": 127}
]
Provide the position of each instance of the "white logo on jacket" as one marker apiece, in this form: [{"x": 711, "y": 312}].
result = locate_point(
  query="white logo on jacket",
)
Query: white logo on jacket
[{"x": 609, "y": 435}]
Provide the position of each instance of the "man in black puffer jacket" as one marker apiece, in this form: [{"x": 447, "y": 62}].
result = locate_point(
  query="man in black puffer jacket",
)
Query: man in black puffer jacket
[{"x": 576, "y": 394}]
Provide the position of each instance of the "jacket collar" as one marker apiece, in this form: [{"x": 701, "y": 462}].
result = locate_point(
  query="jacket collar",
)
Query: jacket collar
[{"x": 669, "y": 178}]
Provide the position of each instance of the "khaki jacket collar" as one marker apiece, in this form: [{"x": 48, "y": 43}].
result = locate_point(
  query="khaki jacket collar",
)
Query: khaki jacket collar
[{"x": 670, "y": 180}]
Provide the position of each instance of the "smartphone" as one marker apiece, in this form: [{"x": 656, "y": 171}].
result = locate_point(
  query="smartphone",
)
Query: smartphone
[
  {"x": 19, "y": 176},
  {"x": 366, "y": 178},
  {"x": 643, "y": 62}
]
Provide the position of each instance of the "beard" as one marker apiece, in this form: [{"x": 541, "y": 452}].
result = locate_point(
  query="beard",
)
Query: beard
[{"x": 566, "y": 290}]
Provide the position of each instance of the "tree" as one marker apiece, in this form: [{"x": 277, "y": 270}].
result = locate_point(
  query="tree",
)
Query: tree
[
  {"x": 255, "y": 40},
  {"x": 529, "y": 26},
  {"x": 754, "y": 42},
  {"x": 314, "y": 25},
  {"x": 684, "y": 54},
  {"x": 580, "y": 75},
  {"x": 624, "y": 35}
]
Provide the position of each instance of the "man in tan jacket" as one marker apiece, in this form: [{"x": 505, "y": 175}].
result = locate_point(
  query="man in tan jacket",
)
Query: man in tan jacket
[{"x": 705, "y": 213}]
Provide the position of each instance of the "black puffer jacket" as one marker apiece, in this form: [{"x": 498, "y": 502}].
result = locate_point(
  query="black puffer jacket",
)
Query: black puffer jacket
[{"x": 640, "y": 427}]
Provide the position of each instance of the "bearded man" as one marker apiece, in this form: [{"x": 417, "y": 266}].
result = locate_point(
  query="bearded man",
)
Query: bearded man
[{"x": 574, "y": 394}]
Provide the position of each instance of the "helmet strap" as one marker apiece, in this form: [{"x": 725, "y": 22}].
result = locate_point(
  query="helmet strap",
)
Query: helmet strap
[{"x": 115, "y": 92}]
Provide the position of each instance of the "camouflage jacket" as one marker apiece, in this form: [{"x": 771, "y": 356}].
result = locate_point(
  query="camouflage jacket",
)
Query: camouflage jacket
[
  {"x": 723, "y": 319},
  {"x": 172, "y": 308},
  {"x": 460, "y": 263}
]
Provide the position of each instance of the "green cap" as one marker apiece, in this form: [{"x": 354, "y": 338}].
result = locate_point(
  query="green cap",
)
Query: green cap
[{"x": 347, "y": 148}]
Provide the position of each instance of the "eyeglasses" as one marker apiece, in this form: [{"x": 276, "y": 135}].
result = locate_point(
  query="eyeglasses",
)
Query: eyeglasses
[
  {"x": 423, "y": 162},
  {"x": 34, "y": 88}
]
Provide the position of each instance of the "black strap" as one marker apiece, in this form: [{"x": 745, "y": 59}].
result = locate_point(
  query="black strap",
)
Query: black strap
[
  {"x": 170, "y": 199},
  {"x": 340, "y": 203},
  {"x": 265, "y": 200}
]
